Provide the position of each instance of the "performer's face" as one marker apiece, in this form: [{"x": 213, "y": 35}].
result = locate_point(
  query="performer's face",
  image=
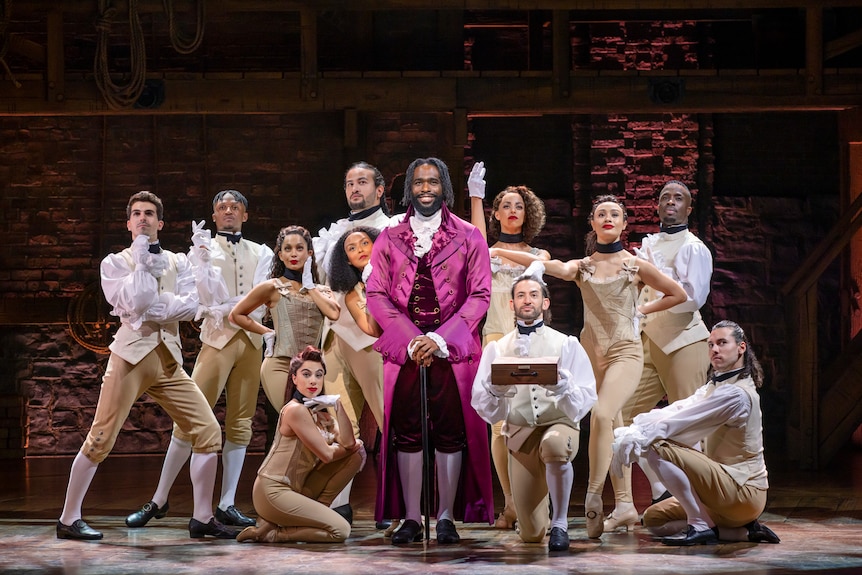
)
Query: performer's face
[
  {"x": 608, "y": 222},
  {"x": 293, "y": 252},
  {"x": 427, "y": 190},
  {"x": 528, "y": 301},
  {"x": 229, "y": 214},
  {"x": 309, "y": 378},
  {"x": 674, "y": 205},
  {"x": 360, "y": 189},
  {"x": 725, "y": 353},
  {"x": 358, "y": 247},
  {"x": 144, "y": 220},
  {"x": 511, "y": 213}
]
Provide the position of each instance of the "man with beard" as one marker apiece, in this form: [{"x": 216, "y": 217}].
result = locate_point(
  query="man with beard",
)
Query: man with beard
[
  {"x": 354, "y": 369},
  {"x": 226, "y": 268},
  {"x": 429, "y": 290},
  {"x": 674, "y": 340},
  {"x": 541, "y": 422}
]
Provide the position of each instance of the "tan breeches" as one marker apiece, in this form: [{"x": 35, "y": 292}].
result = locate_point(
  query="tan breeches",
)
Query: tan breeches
[
  {"x": 160, "y": 376},
  {"x": 677, "y": 375},
  {"x": 556, "y": 443},
  {"x": 499, "y": 451},
  {"x": 357, "y": 376},
  {"x": 234, "y": 369},
  {"x": 728, "y": 503},
  {"x": 617, "y": 375},
  {"x": 308, "y": 510},
  {"x": 273, "y": 378}
]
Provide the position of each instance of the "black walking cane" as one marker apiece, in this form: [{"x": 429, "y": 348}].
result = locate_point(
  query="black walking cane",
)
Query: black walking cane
[{"x": 427, "y": 460}]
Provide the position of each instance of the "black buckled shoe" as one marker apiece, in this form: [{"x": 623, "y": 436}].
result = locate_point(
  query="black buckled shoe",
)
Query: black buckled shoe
[
  {"x": 760, "y": 533},
  {"x": 345, "y": 511},
  {"x": 233, "y": 516},
  {"x": 558, "y": 539},
  {"x": 198, "y": 530},
  {"x": 77, "y": 530},
  {"x": 690, "y": 536},
  {"x": 409, "y": 532},
  {"x": 446, "y": 533},
  {"x": 142, "y": 516}
]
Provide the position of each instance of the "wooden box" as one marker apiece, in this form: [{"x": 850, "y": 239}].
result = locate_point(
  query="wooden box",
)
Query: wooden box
[{"x": 524, "y": 371}]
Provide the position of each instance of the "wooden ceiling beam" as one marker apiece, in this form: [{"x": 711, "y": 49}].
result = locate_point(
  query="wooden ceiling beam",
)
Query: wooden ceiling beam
[
  {"x": 491, "y": 94},
  {"x": 227, "y": 6}
]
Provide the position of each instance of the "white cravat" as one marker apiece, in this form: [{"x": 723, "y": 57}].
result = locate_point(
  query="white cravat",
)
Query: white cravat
[{"x": 424, "y": 228}]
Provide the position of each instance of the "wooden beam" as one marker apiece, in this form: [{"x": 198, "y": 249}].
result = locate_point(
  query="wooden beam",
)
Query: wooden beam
[
  {"x": 480, "y": 93},
  {"x": 843, "y": 44},
  {"x": 223, "y": 6},
  {"x": 55, "y": 73},
  {"x": 814, "y": 50},
  {"x": 562, "y": 54},
  {"x": 308, "y": 63}
]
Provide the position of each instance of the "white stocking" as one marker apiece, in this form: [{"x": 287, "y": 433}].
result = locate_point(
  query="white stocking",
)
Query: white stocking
[
  {"x": 657, "y": 488},
  {"x": 80, "y": 478},
  {"x": 203, "y": 471},
  {"x": 560, "y": 477},
  {"x": 448, "y": 474},
  {"x": 410, "y": 472},
  {"x": 177, "y": 455},
  {"x": 678, "y": 484},
  {"x": 232, "y": 458}
]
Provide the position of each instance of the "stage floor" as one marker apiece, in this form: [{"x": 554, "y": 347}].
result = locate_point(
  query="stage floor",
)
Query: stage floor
[{"x": 818, "y": 516}]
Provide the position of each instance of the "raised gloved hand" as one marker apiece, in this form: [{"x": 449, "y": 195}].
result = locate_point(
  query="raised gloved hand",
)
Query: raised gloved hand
[
  {"x": 320, "y": 402},
  {"x": 366, "y": 272},
  {"x": 535, "y": 271},
  {"x": 268, "y": 343},
  {"x": 307, "y": 277},
  {"x": 201, "y": 242},
  {"x": 476, "y": 181},
  {"x": 141, "y": 251}
]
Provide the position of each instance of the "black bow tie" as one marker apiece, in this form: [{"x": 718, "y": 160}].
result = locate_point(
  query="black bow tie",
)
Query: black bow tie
[
  {"x": 673, "y": 229},
  {"x": 361, "y": 215},
  {"x": 231, "y": 237},
  {"x": 155, "y": 248},
  {"x": 719, "y": 377},
  {"x": 528, "y": 329}
]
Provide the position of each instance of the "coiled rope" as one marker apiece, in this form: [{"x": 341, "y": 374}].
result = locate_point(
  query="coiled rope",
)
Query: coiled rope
[
  {"x": 117, "y": 96},
  {"x": 179, "y": 41}
]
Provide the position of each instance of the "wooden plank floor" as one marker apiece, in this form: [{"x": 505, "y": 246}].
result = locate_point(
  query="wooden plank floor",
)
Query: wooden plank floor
[{"x": 817, "y": 515}]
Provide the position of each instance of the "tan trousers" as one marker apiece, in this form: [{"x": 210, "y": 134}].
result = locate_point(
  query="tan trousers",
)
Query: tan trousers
[
  {"x": 273, "y": 378},
  {"x": 556, "y": 443},
  {"x": 499, "y": 451},
  {"x": 728, "y": 503},
  {"x": 307, "y": 511},
  {"x": 617, "y": 375},
  {"x": 677, "y": 375},
  {"x": 356, "y": 376},
  {"x": 234, "y": 369},
  {"x": 160, "y": 376}
]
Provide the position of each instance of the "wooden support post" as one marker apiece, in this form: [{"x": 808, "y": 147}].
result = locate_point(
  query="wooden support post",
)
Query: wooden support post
[
  {"x": 562, "y": 50},
  {"x": 308, "y": 41},
  {"x": 55, "y": 89},
  {"x": 814, "y": 50}
]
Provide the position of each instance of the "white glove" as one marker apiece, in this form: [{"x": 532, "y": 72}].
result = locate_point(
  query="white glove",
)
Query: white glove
[
  {"x": 320, "y": 402},
  {"x": 476, "y": 181},
  {"x": 268, "y": 343},
  {"x": 563, "y": 377},
  {"x": 627, "y": 447},
  {"x": 157, "y": 312},
  {"x": 201, "y": 241},
  {"x": 366, "y": 272},
  {"x": 216, "y": 313},
  {"x": 141, "y": 251},
  {"x": 307, "y": 278},
  {"x": 535, "y": 271},
  {"x": 501, "y": 391},
  {"x": 158, "y": 263}
]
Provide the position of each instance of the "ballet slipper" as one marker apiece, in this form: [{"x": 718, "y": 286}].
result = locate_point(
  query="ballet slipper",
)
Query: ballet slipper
[
  {"x": 624, "y": 515},
  {"x": 595, "y": 515}
]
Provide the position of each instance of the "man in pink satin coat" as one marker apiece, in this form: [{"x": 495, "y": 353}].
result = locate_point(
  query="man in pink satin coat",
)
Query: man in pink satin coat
[{"x": 429, "y": 288}]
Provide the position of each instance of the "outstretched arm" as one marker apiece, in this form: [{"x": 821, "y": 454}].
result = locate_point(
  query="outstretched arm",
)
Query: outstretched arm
[{"x": 564, "y": 270}]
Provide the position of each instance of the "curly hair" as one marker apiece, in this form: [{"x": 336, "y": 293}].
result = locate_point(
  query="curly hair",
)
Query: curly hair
[
  {"x": 145, "y": 196},
  {"x": 277, "y": 269},
  {"x": 343, "y": 277},
  {"x": 237, "y": 196},
  {"x": 751, "y": 366},
  {"x": 534, "y": 213},
  {"x": 445, "y": 180},
  {"x": 590, "y": 238},
  {"x": 310, "y": 353}
]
